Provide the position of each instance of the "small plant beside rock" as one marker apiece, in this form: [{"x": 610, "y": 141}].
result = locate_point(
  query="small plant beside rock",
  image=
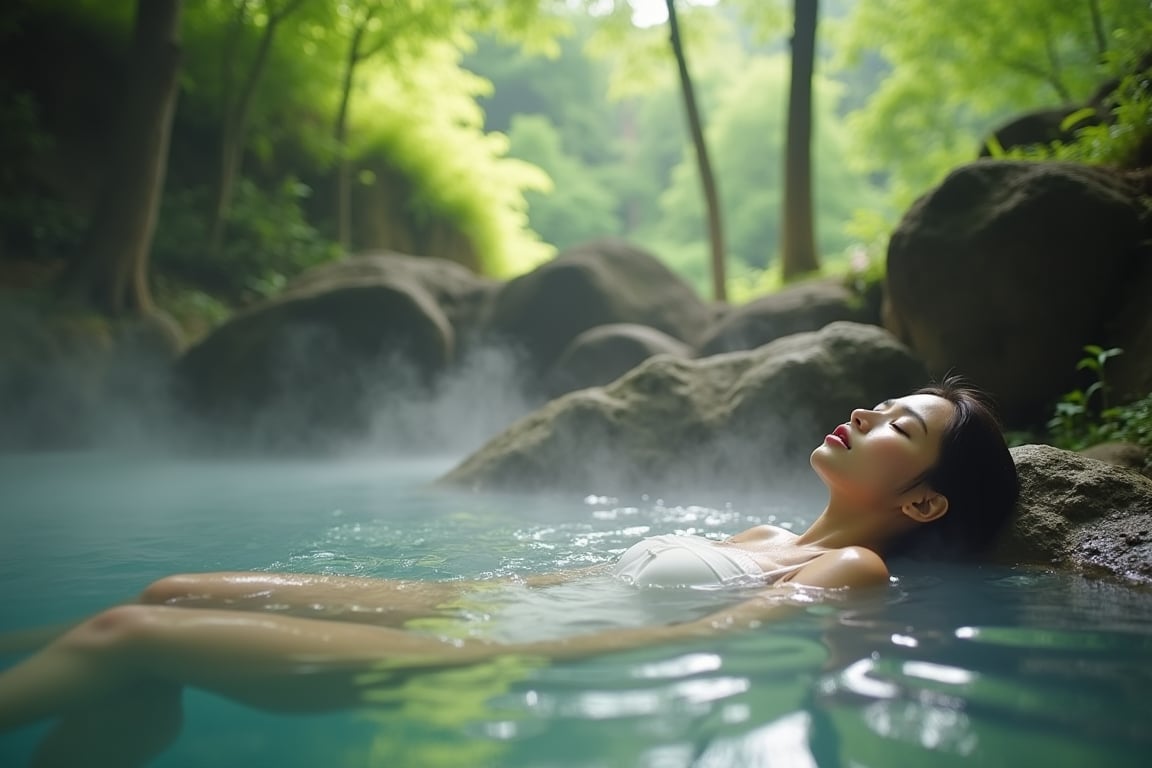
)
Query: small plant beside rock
[{"x": 1086, "y": 417}]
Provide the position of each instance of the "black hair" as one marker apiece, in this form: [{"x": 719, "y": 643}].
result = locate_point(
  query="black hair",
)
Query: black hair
[{"x": 975, "y": 472}]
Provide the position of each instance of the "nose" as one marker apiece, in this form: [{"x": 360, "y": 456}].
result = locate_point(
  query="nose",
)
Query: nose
[{"x": 862, "y": 419}]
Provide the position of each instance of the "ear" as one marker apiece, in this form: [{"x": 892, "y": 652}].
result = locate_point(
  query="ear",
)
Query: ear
[{"x": 926, "y": 508}]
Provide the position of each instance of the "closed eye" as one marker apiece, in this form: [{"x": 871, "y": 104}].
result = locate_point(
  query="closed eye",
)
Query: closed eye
[{"x": 896, "y": 427}]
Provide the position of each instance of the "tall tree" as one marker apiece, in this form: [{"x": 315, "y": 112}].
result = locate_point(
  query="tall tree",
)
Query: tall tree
[
  {"x": 797, "y": 236},
  {"x": 746, "y": 130},
  {"x": 374, "y": 27},
  {"x": 400, "y": 30},
  {"x": 707, "y": 180},
  {"x": 363, "y": 16},
  {"x": 237, "y": 108},
  {"x": 114, "y": 274}
]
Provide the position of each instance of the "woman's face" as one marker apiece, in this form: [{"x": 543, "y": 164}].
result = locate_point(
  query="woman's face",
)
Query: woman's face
[{"x": 879, "y": 452}]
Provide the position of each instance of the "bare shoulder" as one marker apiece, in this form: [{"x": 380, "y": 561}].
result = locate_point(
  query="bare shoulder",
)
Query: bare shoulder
[
  {"x": 759, "y": 533},
  {"x": 847, "y": 567}
]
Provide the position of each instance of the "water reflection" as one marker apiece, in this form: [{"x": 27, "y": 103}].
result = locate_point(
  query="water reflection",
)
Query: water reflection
[{"x": 914, "y": 684}]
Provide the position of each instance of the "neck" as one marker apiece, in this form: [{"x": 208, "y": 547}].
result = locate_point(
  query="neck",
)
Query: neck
[{"x": 848, "y": 525}]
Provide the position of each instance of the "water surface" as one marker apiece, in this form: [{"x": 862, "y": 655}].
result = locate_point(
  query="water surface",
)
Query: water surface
[{"x": 951, "y": 666}]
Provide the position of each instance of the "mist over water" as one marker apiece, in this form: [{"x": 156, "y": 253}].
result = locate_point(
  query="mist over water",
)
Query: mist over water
[
  {"x": 479, "y": 398},
  {"x": 319, "y": 406},
  {"x": 127, "y": 402}
]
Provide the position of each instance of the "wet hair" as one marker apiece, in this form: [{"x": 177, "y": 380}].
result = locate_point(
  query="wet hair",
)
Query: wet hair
[{"x": 975, "y": 472}]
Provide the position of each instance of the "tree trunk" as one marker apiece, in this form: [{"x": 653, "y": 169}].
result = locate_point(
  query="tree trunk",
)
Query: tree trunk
[
  {"x": 344, "y": 167},
  {"x": 1098, "y": 28},
  {"x": 707, "y": 181},
  {"x": 234, "y": 133},
  {"x": 114, "y": 274},
  {"x": 798, "y": 240}
]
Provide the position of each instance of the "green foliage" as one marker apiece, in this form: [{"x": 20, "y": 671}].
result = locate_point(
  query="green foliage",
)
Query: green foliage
[
  {"x": 578, "y": 207},
  {"x": 269, "y": 240},
  {"x": 568, "y": 88},
  {"x": 425, "y": 121},
  {"x": 33, "y": 225},
  {"x": 1085, "y": 417},
  {"x": 746, "y": 133},
  {"x": 1075, "y": 426},
  {"x": 196, "y": 312},
  {"x": 1132, "y": 423},
  {"x": 641, "y": 59},
  {"x": 38, "y": 227},
  {"x": 960, "y": 68},
  {"x": 1127, "y": 124},
  {"x": 411, "y": 107}
]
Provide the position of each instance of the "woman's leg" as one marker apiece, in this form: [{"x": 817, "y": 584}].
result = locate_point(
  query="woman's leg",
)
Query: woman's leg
[
  {"x": 125, "y": 729},
  {"x": 278, "y": 663},
  {"x": 383, "y": 602},
  {"x": 380, "y": 602}
]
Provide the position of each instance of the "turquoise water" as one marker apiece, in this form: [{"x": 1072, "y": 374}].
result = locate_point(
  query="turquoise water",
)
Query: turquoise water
[{"x": 953, "y": 666}]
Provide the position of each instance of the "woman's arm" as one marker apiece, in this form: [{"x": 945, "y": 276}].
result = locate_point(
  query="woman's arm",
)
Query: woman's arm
[{"x": 561, "y": 577}]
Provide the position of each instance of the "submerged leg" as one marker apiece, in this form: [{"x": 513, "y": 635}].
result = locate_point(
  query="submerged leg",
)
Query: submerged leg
[
  {"x": 278, "y": 663},
  {"x": 28, "y": 640},
  {"x": 383, "y": 602},
  {"x": 125, "y": 729},
  {"x": 380, "y": 602}
]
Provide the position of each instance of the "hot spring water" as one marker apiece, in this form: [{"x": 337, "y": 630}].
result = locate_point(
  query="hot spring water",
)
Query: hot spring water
[{"x": 952, "y": 666}]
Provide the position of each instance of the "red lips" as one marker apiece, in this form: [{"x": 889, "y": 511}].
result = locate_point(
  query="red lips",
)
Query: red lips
[{"x": 844, "y": 435}]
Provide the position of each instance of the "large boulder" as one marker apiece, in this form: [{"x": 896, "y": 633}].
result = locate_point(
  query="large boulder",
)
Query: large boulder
[
  {"x": 605, "y": 353},
  {"x": 311, "y": 365},
  {"x": 1130, "y": 374},
  {"x": 731, "y": 423},
  {"x": 459, "y": 293},
  {"x": 1007, "y": 269},
  {"x": 798, "y": 308},
  {"x": 1076, "y": 512},
  {"x": 599, "y": 283}
]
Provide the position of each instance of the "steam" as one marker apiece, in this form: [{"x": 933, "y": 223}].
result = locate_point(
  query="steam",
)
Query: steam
[
  {"x": 479, "y": 397},
  {"x": 121, "y": 397}
]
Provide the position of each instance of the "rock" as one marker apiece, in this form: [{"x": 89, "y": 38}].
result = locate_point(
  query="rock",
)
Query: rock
[
  {"x": 151, "y": 339},
  {"x": 1076, "y": 512},
  {"x": 459, "y": 293},
  {"x": 803, "y": 307},
  {"x": 600, "y": 283},
  {"x": 605, "y": 353},
  {"x": 1007, "y": 269},
  {"x": 1130, "y": 374},
  {"x": 1042, "y": 126},
  {"x": 1127, "y": 455},
  {"x": 311, "y": 365},
  {"x": 1045, "y": 126},
  {"x": 730, "y": 423}
]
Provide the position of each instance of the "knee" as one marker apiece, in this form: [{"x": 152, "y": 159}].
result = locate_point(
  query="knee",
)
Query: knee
[
  {"x": 116, "y": 628},
  {"x": 169, "y": 588}
]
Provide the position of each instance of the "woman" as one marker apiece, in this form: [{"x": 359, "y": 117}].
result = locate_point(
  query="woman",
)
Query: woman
[{"x": 928, "y": 473}]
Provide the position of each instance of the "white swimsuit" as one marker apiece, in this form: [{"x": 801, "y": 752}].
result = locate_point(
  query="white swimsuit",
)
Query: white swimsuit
[
  {"x": 693, "y": 561},
  {"x": 713, "y": 573}
]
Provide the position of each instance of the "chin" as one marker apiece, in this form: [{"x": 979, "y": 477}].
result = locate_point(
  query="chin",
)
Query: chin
[{"x": 819, "y": 463}]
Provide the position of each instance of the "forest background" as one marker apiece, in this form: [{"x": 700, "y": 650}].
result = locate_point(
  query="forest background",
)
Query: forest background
[{"x": 498, "y": 133}]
